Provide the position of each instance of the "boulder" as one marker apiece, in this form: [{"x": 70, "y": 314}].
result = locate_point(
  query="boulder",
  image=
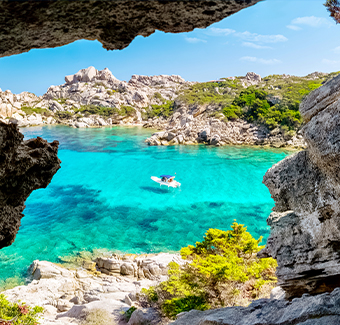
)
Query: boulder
[
  {"x": 309, "y": 310},
  {"x": 69, "y": 79},
  {"x": 145, "y": 316}
]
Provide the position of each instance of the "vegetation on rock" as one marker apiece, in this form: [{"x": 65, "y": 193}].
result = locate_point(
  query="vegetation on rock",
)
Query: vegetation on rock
[
  {"x": 165, "y": 110},
  {"x": 222, "y": 270},
  {"x": 273, "y": 101},
  {"x": 30, "y": 110},
  {"x": 18, "y": 313},
  {"x": 98, "y": 317}
]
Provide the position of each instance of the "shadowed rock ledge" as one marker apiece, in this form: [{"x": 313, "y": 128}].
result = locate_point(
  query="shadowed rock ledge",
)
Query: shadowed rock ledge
[
  {"x": 305, "y": 223},
  {"x": 25, "y": 25},
  {"x": 24, "y": 166}
]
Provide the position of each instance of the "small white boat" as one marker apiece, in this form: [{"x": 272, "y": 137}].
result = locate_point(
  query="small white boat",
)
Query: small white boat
[{"x": 166, "y": 180}]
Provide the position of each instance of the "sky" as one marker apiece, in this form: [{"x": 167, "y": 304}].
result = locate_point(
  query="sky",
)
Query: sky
[{"x": 272, "y": 37}]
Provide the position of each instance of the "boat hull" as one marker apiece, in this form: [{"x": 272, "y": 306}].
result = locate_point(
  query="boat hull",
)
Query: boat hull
[{"x": 173, "y": 184}]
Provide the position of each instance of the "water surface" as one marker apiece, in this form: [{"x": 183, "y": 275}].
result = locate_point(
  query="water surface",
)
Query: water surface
[{"x": 102, "y": 197}]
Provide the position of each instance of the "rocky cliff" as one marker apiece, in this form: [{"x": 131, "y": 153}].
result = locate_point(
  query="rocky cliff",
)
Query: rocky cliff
[
  {"x": 305, "y": 223},
  {"x": 24, "y": 166},
  {"x": 25, "y": 25}
]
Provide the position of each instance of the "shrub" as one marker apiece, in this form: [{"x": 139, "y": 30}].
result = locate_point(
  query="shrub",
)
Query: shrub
[
  {"x": 18, "y": 313},
  {"x": 98, "y": 317},
  {"x": 127, "y": 111},
  {"x": 63, "y": 115},
  {"x": 30, "y": 110},
  {"x": 88, "y": 110},
  {"x": 222, "y": 270},
  {"x": 129, "y": 312},
  {"x": 165, "y": 110}
]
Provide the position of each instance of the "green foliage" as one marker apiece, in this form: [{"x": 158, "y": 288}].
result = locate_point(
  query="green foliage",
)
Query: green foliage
[
  {"x": 111, "y": 92},
  {"x": 253, "y": 106},
  {"x": 165, "y": 110},
  {"x": 127, "y": 111},
  {"x": 220, "y": 271},
  {"x": 157, "y": 95},
  {"x": 13, "y": 313},
  {"x": 210, "y": 92},
  {"x": 333, "y": 6},
  {"x": 129, "y": 312},
  {"x": 64, "y": 115},
  {"x": 61, "y": 101},
  {"x": 88, "y": 110},
  {"x": 173, "y": 307},
  {"x": 30, "y": 110}
]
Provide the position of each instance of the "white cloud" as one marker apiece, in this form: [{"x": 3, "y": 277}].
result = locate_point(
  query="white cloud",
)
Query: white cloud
[
  {"x": 336, "y": 50},
  {"x": 253, "y": 37},
  {"x": 330, "y": 62},
  {"x": 312, "y": 21},
  {"x": 195, "y": 40},
  {"x": 255, "y": 46},
  {"x": 221, "y": 31},
  {"x": 293, "y": 27},
  {"x": 259, "y": 60}
]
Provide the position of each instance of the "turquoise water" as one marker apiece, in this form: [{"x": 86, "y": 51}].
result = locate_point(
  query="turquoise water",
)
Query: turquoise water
[{"x": 102, "y": 197}]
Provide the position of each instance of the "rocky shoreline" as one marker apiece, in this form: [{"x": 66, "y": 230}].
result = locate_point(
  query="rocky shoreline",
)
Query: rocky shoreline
[
  {"x": 92, "y": 98},
  {"x": 186, "y": 129},
  {"x": 109, "y": 283}
]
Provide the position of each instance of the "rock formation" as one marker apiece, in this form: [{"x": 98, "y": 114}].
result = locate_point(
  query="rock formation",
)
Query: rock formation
[
  {"x": 309, "y": 310},
  {"x": 305, "y": 222},
  {"x": 25, "y": 25},
  {"x": 200, "y": 124},
  {"x": 24, "y": 166},
  {"x": 68, "y": 294}
]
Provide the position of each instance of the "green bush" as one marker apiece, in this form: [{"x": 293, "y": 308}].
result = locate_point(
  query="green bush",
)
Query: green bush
[
  {"x": 222, "y": 270},
  {"x": 165, "y": 110},
  {"x": 30, "y": 110},
  {"x": 88, "y": 110},
  {"x": 253, "y": 106},
  {"x": 174, "y": 306},
  {"x": 64, "y": 115},
  {"x": 129, "y": 312},
  {"x": 18, "y": 313}
]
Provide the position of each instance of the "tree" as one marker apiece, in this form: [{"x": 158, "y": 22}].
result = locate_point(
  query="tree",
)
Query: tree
[
  {"x": 221, "y": 270},
  {"x": 333, "y": 6}
]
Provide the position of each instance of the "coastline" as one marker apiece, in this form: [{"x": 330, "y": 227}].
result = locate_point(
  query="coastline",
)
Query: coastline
[
  {"x": 109, "y": 282},
  {"x": 160, "y": 137}
]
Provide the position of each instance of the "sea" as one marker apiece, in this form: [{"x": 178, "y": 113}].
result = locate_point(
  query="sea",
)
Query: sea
[{"x": 102, "y": 197}]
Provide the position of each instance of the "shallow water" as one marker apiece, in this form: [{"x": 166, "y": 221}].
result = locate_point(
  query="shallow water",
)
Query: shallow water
[{"x": 102, "y": 197}]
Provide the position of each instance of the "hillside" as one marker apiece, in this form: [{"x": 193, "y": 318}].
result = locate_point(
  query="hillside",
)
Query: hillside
[{"x": 268, "y": 107}]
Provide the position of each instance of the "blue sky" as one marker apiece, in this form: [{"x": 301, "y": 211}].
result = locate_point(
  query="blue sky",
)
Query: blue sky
[{"x": 273, "y": 37}]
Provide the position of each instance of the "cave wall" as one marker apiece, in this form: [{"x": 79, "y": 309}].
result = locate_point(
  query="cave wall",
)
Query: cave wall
[
  {"x": 115, "y": 23},
  {"x": 305, "y": 222},
  {"x": 24, "y": 166}
]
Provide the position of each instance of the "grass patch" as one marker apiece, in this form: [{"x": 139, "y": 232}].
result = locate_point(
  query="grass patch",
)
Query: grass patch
[
  {"x": 30, "y": 110},
  {"x": 98, "y": 317}
]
